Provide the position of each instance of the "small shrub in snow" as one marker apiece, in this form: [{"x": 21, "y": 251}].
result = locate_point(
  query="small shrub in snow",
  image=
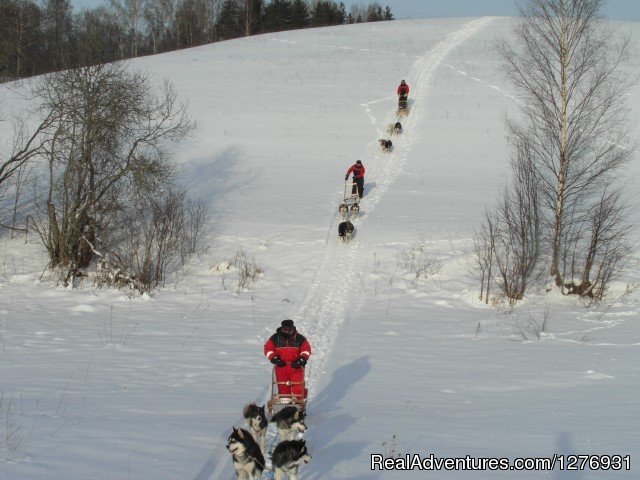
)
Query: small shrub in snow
[
  {"x": 533, "y": 329},
  {"x": 417, "y": 263},
  {"x": 392, "y": 450},
  {"x": 248, "y": 270}
]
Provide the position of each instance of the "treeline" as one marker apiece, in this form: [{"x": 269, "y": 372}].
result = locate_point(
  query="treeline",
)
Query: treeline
[{"x": 40, "y": 37}]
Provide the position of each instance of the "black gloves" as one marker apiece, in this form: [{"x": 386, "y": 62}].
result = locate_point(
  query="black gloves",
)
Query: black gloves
[
  {"x": 299, "y": 362},
  {"x": 277, "y": 361},
  {"x": 346, "y": 178}
]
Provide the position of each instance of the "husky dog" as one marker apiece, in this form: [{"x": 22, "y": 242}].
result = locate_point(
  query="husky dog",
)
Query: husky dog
[
  {"x": 386, "y": 145},
  {"x": 247, "y": 457},
  {"x": 288, "y": 456},
  {"x": 343, "y": 209},
  {"x": 345, "y": 231},
  {"x": 289, "y": 421},
  {"x": 256, "y": 419},
  {"x": 394, "y": 128}
]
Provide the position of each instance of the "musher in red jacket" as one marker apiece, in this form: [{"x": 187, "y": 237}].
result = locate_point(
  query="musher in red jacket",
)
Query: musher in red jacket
[
  {"x": 358, "y": 177},
  {"x": 403, "y": 88},
  {"x": 289, "y": 351}
]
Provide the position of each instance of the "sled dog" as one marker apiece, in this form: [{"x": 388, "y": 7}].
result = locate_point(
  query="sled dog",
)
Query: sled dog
[
  {"x": 345, "y": 231},
  {"x": 247, "y": 457},
  {"x": 290, "y": 421},
  {"x": 386, "y": 145},
  {"x": 256, "y": 419},
  {"x": 287, "y": 458},
  {"x": 397, "y": 128}
]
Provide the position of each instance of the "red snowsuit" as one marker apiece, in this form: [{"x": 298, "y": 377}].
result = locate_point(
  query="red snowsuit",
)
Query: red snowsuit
[
  {"x": 403, "y": 89},
  {"x": 288, "y": 349},
  {"x": 357, "y": 170},
  {"x": 358, "y": 178}
]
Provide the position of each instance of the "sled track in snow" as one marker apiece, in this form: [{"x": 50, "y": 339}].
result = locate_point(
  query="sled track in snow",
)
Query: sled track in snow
[{"x": 323, "y": 309}]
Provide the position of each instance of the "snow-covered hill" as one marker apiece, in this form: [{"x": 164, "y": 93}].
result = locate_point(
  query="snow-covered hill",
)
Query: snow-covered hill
[{"x": 95, "y": 385}]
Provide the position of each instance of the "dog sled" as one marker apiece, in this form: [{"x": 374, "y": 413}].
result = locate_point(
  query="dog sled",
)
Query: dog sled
[
  {"x": 279, "y": 400},
  {"x": 351, "y": 200},
  {"x": 403, "y": 105}
]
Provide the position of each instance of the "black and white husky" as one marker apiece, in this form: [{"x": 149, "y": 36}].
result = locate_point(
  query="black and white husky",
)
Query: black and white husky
[
  {"x": 386, "y": 145},
  {"x": 287, "y": 458},
  {"x": 345, "y": 231},
  {"x": 256, "y": 419},
  {"x": 394, "y": 128},
  {"x": 247, "y": 457},
  {"x": 290, "y": 422}
]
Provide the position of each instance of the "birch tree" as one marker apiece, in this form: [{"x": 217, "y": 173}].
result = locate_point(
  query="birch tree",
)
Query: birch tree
[{"x": 565, "y": 65}]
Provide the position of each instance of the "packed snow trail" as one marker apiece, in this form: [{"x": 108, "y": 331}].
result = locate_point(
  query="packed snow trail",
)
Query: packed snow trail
[{"x": 323, "y": 309}]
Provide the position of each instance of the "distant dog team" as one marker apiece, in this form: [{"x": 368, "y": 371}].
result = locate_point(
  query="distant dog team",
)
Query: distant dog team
[{"x": 248, "y": 448}]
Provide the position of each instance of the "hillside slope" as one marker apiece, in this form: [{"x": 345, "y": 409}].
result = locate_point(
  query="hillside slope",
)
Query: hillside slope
[{"x": 99, "y": 385}]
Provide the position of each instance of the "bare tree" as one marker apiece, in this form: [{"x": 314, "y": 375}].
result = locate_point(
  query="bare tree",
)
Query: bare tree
[
  {"x": 517, "y": 244},
  {"x": 484, "y": 248},
  {"x": 20, "y": 32},
  {"x": 159, "y": 233},
  {"x": 510, "y": 236},
  {"x": 107, "y": 138},
  {"x": 129, "y": 14},
  {"x": 599, "y": 245},
  {"x": 566, "y": 69},
  {"x": 159, "y": 18},
  {"x": 27, "y": 145},
  {"x": 251, "y": 14},
  {"x": 57, "y": 29}
]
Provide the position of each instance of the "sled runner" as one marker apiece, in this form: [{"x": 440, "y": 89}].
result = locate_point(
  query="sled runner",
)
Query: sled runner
[
  {"x": 279, "y": 400},
  {"x": 351, "y": 201}
]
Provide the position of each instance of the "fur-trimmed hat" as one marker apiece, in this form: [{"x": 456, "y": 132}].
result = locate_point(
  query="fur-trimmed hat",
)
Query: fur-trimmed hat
[
  {"x": 287, "y": 323},
  {"x": 358, "y": 162}
]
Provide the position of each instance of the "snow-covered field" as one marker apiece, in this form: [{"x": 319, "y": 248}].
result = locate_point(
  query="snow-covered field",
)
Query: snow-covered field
[{"x": 96, "y": 385}]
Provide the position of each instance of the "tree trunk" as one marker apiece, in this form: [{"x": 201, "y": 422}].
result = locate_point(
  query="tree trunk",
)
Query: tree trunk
[{"x": 561, "y": 185}]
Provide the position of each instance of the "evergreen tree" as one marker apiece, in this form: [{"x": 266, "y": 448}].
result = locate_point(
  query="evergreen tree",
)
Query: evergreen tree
[
  {"x": 300, "y": 15},
  {"x": 228, "y": 25},
  {"x": 278, "y": 16},
  {"x": 327, "y": 13},
  {"x": 374, "y": 12}
]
